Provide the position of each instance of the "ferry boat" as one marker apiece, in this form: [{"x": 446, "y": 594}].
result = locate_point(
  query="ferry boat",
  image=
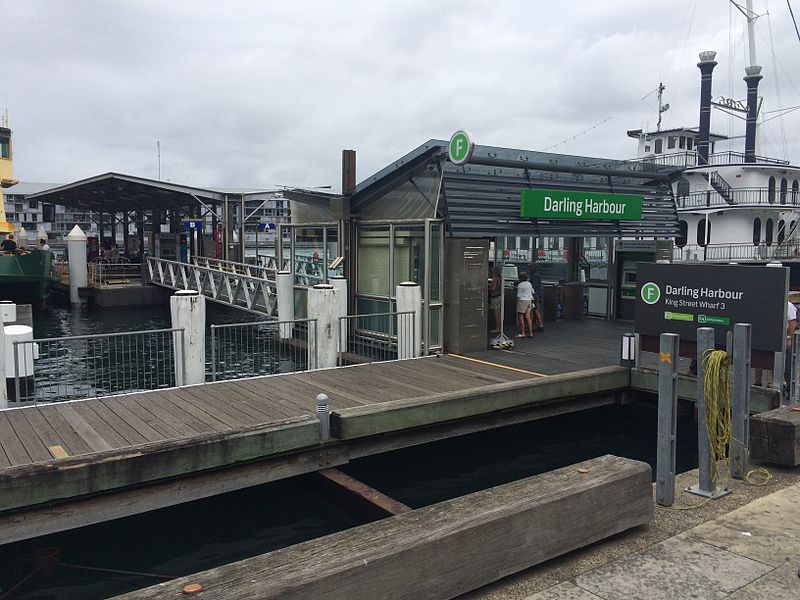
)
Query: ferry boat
[
  {"x": 25, "y": 274},
  {"x": 733, "y": 206}
]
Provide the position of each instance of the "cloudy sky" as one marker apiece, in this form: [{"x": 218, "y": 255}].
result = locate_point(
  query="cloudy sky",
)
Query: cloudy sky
[{"x": 258, "y": 93}]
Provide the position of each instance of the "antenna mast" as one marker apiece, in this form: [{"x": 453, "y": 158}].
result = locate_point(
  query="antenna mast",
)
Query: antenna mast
[{"x": 661, "y": 108}]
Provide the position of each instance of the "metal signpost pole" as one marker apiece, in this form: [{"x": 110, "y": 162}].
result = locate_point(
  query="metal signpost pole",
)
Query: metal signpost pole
[
  {"x": 740, "y": 403},
  {"x": 667, "y": 418},
  {"x": 794, "y": 388},
  {"x": 706, "y": 485}
]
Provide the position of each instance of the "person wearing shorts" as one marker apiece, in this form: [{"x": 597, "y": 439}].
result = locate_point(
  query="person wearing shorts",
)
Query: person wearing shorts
[{"x": 524, "y": 306}]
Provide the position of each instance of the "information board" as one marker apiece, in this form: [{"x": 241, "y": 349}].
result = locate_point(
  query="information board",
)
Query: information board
[{"x": 679, "y": 298}]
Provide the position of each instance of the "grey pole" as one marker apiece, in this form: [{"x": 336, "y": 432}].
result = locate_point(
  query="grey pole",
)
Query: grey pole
[
  {"x": 794, "y": 388},
  {"x": 740, "y": 403},
  {"x": 324, "y": 416},
  {"x": 667, "y": 418},
  {"x": 706, "y": 486}
]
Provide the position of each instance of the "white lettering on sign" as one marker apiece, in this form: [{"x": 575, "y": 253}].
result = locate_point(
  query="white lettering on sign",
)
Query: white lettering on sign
[
  {"x": 703, "y": 292},
  {"x": 588, "y": 206}
]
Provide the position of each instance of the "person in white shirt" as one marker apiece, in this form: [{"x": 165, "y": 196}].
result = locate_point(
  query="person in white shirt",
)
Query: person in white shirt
[
  {"x": 524, "y": 306},
  {"x": 43, "y": 245}
]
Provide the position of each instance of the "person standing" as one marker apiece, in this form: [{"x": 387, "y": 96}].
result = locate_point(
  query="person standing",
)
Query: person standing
[
  {"x": 524, "y": 306},
  {"x": 8, "y": 244},
  {"x": 495, "y": 296},
  {"x": 536, "y": 282},
  {"x": 43, "y": 245}
]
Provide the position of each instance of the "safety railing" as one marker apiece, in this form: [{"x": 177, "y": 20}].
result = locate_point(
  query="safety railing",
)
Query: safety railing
[
  {"x": 376, "y": 337},
  {"x": 738, "y": 252},
  {"x": 86, "y": 366},
  {"x": 739, "y": 197},
  {"x": 261, "y": 348},
  {"x": 267, "y": 271},
  {"x": 223, "y": 285},
  {"x": 107, "y": 273}
]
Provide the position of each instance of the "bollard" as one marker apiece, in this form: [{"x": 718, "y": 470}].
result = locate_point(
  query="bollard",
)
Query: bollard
[
  {"x": 667, "y": 418},
  {"x": 409, "y": 327},
  {"x": 339, "y": 284},
  {"x": 324, "y": 416},
  {"x": 8, "y": 311},
  {"x": 705, "y": 486},
  {"x": 188, "y": 312},
  {"x": 794, "y": 388},
  {"x": 323, "y": 306},
  {"x": 740, "y": 403},
  {"x": 628, "y": 350},
  {"x": 78, "y": 271},
  {"x": 3, "y": 380},
  {"x": 284, "y": 289}
]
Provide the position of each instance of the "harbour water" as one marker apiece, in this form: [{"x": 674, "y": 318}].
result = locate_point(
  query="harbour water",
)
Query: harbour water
[{"x": 203, "y": 534}]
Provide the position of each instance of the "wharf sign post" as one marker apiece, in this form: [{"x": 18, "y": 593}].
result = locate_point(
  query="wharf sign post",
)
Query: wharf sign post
[
  {"x": 569, "y": 204},
  {"x": 679, "y": 298}
]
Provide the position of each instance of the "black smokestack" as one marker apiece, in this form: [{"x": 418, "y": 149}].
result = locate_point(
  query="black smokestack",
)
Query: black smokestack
[
  {"x": 706, "y": 64},
  {"x": 751, "y": 79}
]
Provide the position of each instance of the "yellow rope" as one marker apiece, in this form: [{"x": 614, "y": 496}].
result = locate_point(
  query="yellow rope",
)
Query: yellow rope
[{"x": 717, "y": 390}]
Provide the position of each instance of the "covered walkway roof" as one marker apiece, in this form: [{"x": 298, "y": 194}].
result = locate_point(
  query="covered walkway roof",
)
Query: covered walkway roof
[{"x": 115, "y": 192}]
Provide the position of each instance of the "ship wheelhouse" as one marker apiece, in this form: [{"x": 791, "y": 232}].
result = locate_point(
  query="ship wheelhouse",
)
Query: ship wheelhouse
[{"x": 728, "y": 209}]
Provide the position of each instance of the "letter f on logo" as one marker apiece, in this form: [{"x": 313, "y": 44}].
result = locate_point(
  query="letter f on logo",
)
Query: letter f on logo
[{"x": 650, "y": 293}]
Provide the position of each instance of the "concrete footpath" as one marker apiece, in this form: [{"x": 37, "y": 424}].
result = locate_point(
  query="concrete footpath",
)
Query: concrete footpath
[{"x": 744, "y": 546}]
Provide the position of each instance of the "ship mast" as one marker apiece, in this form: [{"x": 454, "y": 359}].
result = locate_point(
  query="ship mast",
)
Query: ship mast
[{"x": 661, "y": 108}]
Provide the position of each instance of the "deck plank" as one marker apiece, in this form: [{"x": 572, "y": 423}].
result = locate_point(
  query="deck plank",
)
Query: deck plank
[
  {"x": 222, "y": 410},
  {"x": 159, "y": 408},
  {"x": 15, "y": 450},
  {"x": 75, "y": 444},
  {"x": 127, "y": 415},
  {"x": 108, "y": 425},
  {"x": 187, "y": 412},
  {"x": 247, "y": 401},
  {"x": 189, "y": 403},
  {"x": 275, "y": 392},
  {"x": 88, "y": 433},
  {"x": 159, "y": 425},
  {"x": 45, "y": 430},
  {"x": 36, "y": 449}
]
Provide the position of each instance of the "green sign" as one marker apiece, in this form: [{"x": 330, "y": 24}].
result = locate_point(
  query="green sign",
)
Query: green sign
[
  {"x": 650, "y": 293},
  {"x": 565, "y": 204},
  {"x": 461, "y": 147},
  {"x": 678, "y": 316},
  {"x": 712, "y": 320}
]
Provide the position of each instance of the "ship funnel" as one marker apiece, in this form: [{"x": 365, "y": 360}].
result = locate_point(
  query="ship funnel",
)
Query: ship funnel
[
  {"x": 706, "y": 65},
  {"x": 752, "y": 77}
]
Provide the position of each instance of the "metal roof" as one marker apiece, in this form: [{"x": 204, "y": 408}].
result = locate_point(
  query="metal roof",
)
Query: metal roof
[
  {"x": 482, "y": 198},
  {"x": 115, "y": 192}
]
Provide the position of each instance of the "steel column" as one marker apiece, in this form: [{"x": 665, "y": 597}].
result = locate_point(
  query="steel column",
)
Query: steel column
[
  {"x": 667, "y": 418},
  {"x": 740, "y": 403}
]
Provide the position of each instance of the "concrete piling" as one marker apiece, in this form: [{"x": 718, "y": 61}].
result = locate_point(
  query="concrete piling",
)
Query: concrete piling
[
  {"x": 409, "y": 340},
  {"x": 188, "y": 312},
  {"x": 284, "y": 288},
  {"x": 78, "y": 272},
  {"x": 323, "y": 306},
  {"x": 339, "y": 284}
]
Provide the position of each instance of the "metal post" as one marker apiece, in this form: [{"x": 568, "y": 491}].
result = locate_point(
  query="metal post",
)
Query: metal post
[
  {"x": 667, "y": 418},
  {"x": 324, "y": 416},
  {"x": 628, "y": 351},
  {"x": 3, "y": 381},
  {"x": 705, "y": 486},
  {"x": 740, "y": 403},
  {"x": 794, "y": 388},
  {"x": 213, "y": 352}
]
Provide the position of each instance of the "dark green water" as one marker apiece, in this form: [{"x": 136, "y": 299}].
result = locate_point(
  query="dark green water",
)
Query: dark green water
[{"x": 215, "y": 531}]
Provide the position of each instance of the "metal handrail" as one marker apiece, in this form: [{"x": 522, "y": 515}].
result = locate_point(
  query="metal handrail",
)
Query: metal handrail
[{"x": 757, "y": 196}]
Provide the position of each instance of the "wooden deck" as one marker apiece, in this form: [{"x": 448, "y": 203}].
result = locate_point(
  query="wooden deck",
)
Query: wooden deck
[{"x": 265, "y": 428}]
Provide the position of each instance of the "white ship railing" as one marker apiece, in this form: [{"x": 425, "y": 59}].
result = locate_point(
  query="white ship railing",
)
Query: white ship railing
[{"x": 737, "y": 252}]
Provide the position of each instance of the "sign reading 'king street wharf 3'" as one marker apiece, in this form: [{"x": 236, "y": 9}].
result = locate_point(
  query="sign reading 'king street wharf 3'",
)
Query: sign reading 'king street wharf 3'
[
  {"x": 564, "y": 204},
  {"x": 679, "y": 298}
]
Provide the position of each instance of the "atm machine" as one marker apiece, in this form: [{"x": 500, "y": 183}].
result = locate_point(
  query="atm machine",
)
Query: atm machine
[{"x": 627, "y": 256}]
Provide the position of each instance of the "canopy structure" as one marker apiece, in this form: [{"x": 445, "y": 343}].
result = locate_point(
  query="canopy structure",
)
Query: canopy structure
[{"x": 482, "y": 198}]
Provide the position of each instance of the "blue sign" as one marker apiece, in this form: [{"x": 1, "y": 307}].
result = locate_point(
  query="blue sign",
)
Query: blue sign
[
  {"x": 189, "y": 225},
  {"x": 263, "y": 226}
]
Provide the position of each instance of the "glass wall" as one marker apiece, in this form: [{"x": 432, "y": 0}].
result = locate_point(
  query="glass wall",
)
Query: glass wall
[{"x": 391, "y": 253}]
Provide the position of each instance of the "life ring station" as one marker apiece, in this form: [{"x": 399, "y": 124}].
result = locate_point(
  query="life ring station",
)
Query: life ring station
[{"x": 448, "y": 210}]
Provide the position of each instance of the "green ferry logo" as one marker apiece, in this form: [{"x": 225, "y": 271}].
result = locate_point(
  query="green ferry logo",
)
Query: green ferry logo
[
  {"x": 650, "y": 293},
  {"x": 461, "y": 147}
]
